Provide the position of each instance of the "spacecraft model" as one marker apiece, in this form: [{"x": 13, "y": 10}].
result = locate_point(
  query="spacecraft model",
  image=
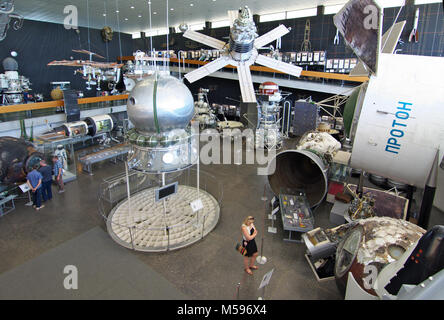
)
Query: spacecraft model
[
  {"x": 17, "y": 157},
  {"x": 12, "y": 85},
  {"x": 92, "y": 71},
  {"x": 6, "y": 14},
  {"x": 92, "y": 126},
  {"x": 160, "y": 107},
  {"x": 392, "y": 121},
  {"x": 241, "y": 51},
  {"x": 141, "y": 67},
  {"x": 268, "y": 132},
  {"x": 202, "y": 111},
  {"x": 162, "y": 209}
]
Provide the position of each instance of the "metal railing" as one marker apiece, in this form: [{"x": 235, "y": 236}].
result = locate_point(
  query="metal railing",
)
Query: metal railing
[{"x": 113, "y": 192}]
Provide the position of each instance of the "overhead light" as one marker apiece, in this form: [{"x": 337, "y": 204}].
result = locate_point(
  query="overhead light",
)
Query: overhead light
[
  {"x": 132, "y": 7},
  {"x": 117, "y": 11},
  {"x": 104, "y": 14},
  {"x": 140, "y": 16},
  {"x": 154, "y": 12},
  {"x": 172, "y": 9},
  {"x": 191, "y": 4},
  {"x": 126, "y": 19}
]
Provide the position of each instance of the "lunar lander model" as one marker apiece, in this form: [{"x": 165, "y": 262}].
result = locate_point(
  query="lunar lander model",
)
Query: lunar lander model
[
  {"x": 12, "y": 85},
  {"x": 202, "y": 111},
  {"x": 160, "y": 203},
  {"x": 268, "y": 133}
]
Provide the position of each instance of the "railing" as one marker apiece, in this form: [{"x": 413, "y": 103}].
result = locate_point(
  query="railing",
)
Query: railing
[
  {"x": 39, "y": 109},
  {"x": 113, "y": 193},
  {"x": 305, "y": 73}
]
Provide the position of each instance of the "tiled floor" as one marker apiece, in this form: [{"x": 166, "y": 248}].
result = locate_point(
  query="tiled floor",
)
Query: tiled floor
[{"x": 70, "y": 229}]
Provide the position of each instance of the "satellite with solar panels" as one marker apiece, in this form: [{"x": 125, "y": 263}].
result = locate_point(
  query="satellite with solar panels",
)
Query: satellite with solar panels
[{"x": 241, "y": 51}]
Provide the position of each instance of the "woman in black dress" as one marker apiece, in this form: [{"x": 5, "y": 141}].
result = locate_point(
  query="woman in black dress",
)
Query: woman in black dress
[{"x": 249, "y": 232}]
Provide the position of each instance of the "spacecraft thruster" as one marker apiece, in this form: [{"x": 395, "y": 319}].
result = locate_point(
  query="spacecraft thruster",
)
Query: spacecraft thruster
[
  {"x": 241, "y": 51},
  {"x": 305, "y": 167},
  {"x": 160, "y": 108}
]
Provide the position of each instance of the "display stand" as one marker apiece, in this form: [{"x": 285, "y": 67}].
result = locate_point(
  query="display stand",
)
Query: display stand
[
  {"x": 262, "y": 259},
  {"x": 26, "y": 189},
  {"x": 272, "y": 216},
  {"x": 264, "y": 283}
]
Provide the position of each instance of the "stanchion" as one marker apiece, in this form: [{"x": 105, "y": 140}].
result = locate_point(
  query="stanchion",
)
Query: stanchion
[
  {"x": 237, "y": 291},
  {"x": 262, "y": 259}
]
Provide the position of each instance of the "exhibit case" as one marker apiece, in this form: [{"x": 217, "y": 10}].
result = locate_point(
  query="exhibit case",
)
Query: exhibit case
[{"x": 64, "y": 148}]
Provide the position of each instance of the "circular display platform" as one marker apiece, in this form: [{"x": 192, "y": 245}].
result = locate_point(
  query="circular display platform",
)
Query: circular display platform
[{"x": 142, "y": 224}]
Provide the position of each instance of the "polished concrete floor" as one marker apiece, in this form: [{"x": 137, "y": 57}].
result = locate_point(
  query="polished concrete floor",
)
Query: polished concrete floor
[{"x": 209, "y": 269}]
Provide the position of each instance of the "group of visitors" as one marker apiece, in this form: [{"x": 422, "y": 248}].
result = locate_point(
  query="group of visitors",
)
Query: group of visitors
[{"x": 40, "y": 181}]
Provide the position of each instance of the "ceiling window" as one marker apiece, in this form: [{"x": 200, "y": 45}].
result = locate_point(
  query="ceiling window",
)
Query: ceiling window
[
  {"x": 196, "y": 27},
  {"x": 272, "y": 17},
  {"x": 418, "y": 2},
  {"x": 302, "y": 13},
  {"x": 333, "y": 9},
  {"x": 220, "y": 24},
  {"x": 391, "y": 3}
]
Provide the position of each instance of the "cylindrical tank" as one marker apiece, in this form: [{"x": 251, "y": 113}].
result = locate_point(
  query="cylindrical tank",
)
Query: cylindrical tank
[
  {"x": 160, "y": 104},
  {"x": 400, "y": 119},
  {"x": 17, "y": 157},
  {"x": 75, "y": 129},
  {"x": 299, "y": 169},
  {"x": 99, "y": 124}
]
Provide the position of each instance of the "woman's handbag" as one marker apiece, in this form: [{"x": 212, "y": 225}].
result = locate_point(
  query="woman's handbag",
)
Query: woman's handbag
[{"x": 241, "y": 249}]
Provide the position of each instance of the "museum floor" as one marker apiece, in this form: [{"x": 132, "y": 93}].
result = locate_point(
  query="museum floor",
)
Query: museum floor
[{"x": 35, "y": 247}]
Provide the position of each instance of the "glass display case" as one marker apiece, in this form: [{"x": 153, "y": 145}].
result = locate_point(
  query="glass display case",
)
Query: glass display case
[
  {"x": 296, "y": 214},
  {"x": 64, "y": 148}
]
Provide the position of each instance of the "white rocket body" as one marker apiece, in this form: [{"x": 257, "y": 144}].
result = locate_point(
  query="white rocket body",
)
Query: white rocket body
[{"x": 401, "y": 121}]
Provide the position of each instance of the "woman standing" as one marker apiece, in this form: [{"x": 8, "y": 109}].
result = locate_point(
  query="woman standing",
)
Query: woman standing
[{"x": 249, "y": 232}]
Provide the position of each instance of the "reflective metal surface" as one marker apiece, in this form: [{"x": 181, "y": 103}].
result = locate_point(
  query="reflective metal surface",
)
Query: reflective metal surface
[
  {"x": 299, "y": 169},
  {"x": 174, "y": 104}
]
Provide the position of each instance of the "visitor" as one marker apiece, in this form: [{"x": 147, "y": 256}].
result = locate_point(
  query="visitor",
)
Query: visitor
[
  {"x": 35, "y": 183},
  {"x": 58, "y": 173},
  {"x": 249, "y": 232},
  {"x": 46, "y": 172}
]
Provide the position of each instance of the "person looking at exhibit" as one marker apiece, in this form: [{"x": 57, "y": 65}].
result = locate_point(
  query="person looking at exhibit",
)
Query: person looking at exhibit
[
  {"x": 249, "y": 233},
  {"x": 35, "y": 183},
  {"x": 58, "y": 173},
  {"x": 46, "y": 172}
]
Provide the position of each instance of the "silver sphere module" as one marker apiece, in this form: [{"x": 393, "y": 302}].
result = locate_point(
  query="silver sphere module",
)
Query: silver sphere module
[{"x": 161, "y": 108}]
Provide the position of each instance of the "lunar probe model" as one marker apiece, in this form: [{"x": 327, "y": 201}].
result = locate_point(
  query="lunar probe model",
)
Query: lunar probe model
[{"x": 241, "y": 51}]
